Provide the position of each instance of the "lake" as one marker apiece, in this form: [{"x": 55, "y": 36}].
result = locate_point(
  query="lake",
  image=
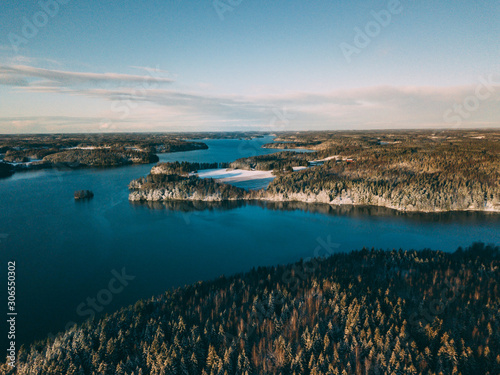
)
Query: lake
[{"x": 67, "y": 251}]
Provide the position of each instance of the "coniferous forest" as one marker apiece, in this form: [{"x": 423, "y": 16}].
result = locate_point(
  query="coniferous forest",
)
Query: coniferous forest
[
  {"x": 420, "y": 171},
  {"x": 230, "y": 187},
  {"x": 366, "y": 312}
]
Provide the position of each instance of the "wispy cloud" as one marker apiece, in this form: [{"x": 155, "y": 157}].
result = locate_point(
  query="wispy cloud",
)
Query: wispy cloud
[
  {"x": 157, "y": 108},
  {"x": 156, "y": 70},
  {"x": 48, "y": 124},
  {"x": 13, "y": 81},
  {"x": 65, "y": 78}
]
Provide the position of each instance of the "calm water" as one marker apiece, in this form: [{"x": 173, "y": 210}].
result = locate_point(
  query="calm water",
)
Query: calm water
[{"x": 65, "y": 251}]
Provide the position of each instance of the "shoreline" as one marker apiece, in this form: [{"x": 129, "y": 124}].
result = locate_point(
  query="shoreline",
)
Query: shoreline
[{"x": 214, "y": 199}]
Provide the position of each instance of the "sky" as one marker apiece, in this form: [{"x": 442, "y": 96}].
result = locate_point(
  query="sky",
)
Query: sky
[{"x": 74, "y": 66}]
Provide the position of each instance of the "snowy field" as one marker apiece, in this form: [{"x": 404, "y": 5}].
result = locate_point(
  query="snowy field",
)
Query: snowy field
[{"x": 241, "y": 178}]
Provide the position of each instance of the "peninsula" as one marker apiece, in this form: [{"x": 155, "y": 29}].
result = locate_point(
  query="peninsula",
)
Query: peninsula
[{"x": 420, "y": 171}]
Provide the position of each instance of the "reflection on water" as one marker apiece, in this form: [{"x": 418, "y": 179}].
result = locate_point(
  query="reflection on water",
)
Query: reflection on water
[
  {"x": 326, "y": 209},
  {"x": 190, "y": 206}
]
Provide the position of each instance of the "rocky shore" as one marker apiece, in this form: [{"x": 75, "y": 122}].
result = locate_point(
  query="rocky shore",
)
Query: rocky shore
[
  {"x": 323, "y": 197},
  {"x": 175, "y": 188}
]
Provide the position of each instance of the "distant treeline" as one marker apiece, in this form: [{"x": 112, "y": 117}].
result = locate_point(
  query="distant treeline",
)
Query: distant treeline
[
  {"x": 184, "y": 168},
  {"x": 100, "y": 158},
  {"x": 84, "y": 150},
  {"x": 289, "y": 145},
  {"x": 23, "y": 156},
  {"x": 279, "y": 161},
  {"x": 147, "y": 142},
  {"x": 368, "y": 312}
]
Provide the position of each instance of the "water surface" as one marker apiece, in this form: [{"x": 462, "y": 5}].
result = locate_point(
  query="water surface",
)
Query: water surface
[{"x": 65, "y": 251}]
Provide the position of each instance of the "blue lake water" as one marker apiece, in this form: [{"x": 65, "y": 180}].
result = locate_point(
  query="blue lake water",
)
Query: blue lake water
[{"x": 66, "y": 251}]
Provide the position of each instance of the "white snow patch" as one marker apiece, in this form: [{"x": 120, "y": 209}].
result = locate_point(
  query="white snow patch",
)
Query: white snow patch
[{"x": 234, "y": 175}]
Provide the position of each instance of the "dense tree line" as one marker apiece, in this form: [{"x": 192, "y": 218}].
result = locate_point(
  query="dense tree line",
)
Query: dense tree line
[
  {"x": 184, "y": 168},
  {"x": 407, "y": 171},
  {"x": 320, "y": 140},
  {"x": 100, "y": 158},
  {"x": 174, "y": 146},
  {"x": 245, "y": 135},
  {"x": 443, "y": 177},
  {"x": 96, "y": 150},
  {"x": 148, "y": 142},
  {"x": 165, "y": 187},
  {"x": 291, "y": 145},
  {"x": 367, "y": 312},
  {"x": 278, "y": 161},
  {"x": 23, "y": 156}
]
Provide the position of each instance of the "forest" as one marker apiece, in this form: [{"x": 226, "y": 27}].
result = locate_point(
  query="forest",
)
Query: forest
[
  {"x": 100, "y": 158},
  {"x": 147, "y": 142},
  {"x": 364, "y": 312},
  {"x": 411, "y": 173},
  {"x": 30, "y": 152},
  {"x": 279, "y": 161},
  {"x": 166, "y": 187},
  {"x": 184, "y": 168},
  {"x": 292, "y": 145},
  {"x": 420, "y": 171}
]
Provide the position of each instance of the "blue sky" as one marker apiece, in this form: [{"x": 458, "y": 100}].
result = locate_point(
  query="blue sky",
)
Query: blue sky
[{"x": 259, "y": 65}]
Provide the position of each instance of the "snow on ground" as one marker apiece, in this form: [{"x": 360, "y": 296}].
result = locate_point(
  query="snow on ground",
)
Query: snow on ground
[
  {"x": 253, "y": 180},
  {"x": 230, "y": 175},
  {"x": 87, "y": 148},
  {"x": 26, "y": 163},
  {"x": 234, "y": 175},
  {"x": 244, "y": 178}
]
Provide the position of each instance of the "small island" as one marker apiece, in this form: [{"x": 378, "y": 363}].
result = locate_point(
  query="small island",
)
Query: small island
[{"x": 83, "y": 194}]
